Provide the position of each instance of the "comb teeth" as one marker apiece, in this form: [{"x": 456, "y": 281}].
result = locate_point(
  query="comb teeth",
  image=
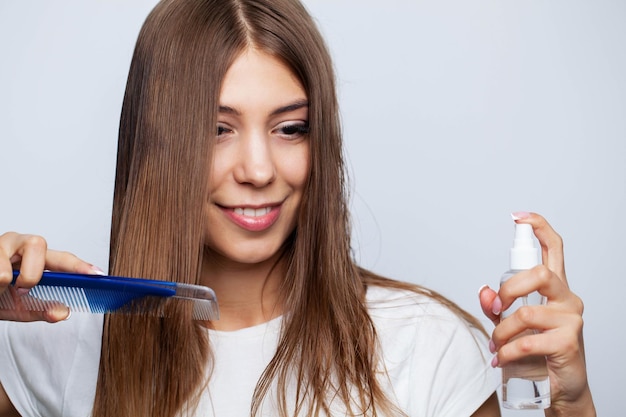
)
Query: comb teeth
[
  {"x": 109, "y": 294},
  {"x": 205, "y": 310},
  {"x": 81, "y": 300},
  {"x": 9, "y": 300},
  {"x": 42, "y": 295}
]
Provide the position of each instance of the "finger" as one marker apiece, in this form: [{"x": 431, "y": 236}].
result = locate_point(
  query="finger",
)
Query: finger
[
  {"x": 533, "y": 319},
  {"x": 550, "y": 241},
  {"x": 68, "y": 262},
  {"x": 6, "y": 271},
  {"x": 490, "y": 303},
  {"x": 20, "y": 307},
  {"x": 562, "y": 340},
  {"x": 51, "y": 315},
  {"x": 30, "y": 250},
  {"x": 54, "y": 311},
  {"x": 538, "y": 279},
  {"x": 7, "y": 257},
  {"x": 30, "y": 253}
]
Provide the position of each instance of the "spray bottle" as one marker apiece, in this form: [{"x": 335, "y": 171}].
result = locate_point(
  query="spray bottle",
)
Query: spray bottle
[{"x": 525, "y": 383}]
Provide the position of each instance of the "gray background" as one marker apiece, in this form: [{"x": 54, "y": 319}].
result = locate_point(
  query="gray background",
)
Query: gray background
[{"x": 455, "y": 113}]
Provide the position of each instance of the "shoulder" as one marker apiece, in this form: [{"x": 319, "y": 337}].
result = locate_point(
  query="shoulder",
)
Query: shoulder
[
  {"x": 394, "y": 305},
  {"x": 419, "y": 320},
  {"x": 436, "y": 362}
]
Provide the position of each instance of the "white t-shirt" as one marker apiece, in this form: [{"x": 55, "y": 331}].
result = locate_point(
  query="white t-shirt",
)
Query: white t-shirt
[{"x": 436, "y": 365}]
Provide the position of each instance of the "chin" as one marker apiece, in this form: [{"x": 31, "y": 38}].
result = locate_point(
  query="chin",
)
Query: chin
[{"x": 240, "y": 254}]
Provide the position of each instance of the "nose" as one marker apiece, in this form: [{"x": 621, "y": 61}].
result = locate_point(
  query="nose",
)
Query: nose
[{"x": 255, "y": 160}]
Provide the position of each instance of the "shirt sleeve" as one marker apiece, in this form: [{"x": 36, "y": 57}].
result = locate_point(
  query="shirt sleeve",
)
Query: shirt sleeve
[
  {"x": 463, "y": 378},
  {"x": 436, "y": 364}
]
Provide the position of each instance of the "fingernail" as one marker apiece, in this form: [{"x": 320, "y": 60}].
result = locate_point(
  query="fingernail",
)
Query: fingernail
[
  {"x": 519, "y": 215},
  {"x": 23, "y": 291},
  {"x": 97, "y": 271},
  {"x": 496, "y": 307},
  {"x": 495, "y": 362},
  {"x": 69, "y": 314},
  {"x": 492, "y": 346}
]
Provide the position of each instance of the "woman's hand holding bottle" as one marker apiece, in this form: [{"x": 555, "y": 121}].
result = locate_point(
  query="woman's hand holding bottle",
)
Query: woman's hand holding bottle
[{"x": 558, "y": 323}]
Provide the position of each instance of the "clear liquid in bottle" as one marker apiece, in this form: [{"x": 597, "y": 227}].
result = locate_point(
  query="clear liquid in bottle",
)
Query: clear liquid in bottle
[{"x": 525, "y": 383}]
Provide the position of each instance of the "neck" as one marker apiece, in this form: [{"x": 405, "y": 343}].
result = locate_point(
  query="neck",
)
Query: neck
[{"x": 248, "y": 294}]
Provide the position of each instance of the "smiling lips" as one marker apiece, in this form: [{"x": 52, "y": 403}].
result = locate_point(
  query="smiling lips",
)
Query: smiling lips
[
  {"x": 253, "y": 219},
  {"x": 252, "y": 212}
]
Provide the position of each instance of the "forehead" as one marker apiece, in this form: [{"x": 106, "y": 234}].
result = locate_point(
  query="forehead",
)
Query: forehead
[{"x": 257, "y": 75}]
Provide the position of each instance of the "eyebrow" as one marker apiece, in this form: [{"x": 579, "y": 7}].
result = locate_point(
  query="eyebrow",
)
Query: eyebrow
[{"x": 283, "y": 109}]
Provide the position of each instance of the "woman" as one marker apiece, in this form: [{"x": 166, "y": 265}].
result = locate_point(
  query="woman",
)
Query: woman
[{"x": 230, "y": 174}]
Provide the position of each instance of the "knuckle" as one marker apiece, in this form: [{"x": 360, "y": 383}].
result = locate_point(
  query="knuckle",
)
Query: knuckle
[
  {"x": 543, "y": 273},
  {"x": 36, "y": 242},
  {"x": 569, "y": 343},
  {"x": 556, "y": 241},
  {"x": 6, "y": 278},
  {"x": 579, "y": 306},
  {"x": 578, "y": 323},
  {"x": 526, "y": 345},
  {"x": 525, "y": 315}
]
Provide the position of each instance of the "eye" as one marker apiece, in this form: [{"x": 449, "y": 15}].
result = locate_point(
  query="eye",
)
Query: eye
[
  {"x": 292, "y": 130},
  {"x": 222, "y": 131}
]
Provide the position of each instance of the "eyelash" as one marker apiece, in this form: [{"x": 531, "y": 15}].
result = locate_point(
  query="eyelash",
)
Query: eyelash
[
  {"x": 293, "y": 130},
  {"x": 221, "y": 130}
]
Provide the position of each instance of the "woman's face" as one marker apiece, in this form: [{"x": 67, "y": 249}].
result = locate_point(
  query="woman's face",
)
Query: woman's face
[{"x": 261, "y": 160}]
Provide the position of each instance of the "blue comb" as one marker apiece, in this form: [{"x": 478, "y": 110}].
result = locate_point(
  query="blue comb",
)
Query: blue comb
[{"x": 109, "y": 294}]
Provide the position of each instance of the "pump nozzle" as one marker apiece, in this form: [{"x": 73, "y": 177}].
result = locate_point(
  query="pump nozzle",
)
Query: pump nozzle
[{"x": 524, "y": 254}]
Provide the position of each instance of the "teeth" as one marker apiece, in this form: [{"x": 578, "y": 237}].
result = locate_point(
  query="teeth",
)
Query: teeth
[{"x": 250, "y": 212}]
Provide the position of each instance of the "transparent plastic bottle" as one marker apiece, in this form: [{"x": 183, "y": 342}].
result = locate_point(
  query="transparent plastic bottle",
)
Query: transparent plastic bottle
[{"x": 525, "y": 383}]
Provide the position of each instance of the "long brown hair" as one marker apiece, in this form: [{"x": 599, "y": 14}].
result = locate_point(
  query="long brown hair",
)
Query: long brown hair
[{"x": 328, "y": 345}]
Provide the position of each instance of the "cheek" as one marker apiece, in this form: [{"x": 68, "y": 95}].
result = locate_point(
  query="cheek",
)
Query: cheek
[
  {"x": 297, "y": 167},
  {"x": 217, "y": 171},
  {"x": 207, "y": 222}
]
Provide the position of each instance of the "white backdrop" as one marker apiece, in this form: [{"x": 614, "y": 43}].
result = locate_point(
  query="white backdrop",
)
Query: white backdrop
[{"x": 455, "y": 114}]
